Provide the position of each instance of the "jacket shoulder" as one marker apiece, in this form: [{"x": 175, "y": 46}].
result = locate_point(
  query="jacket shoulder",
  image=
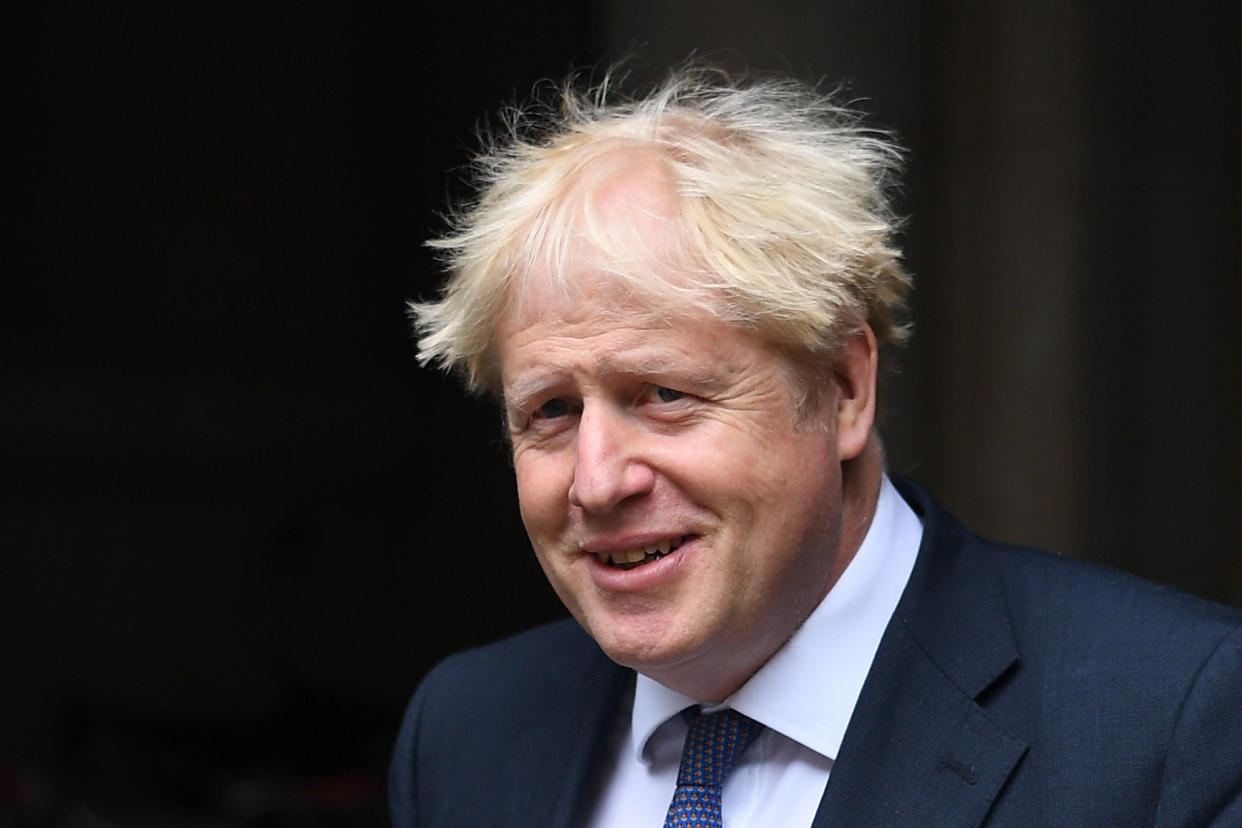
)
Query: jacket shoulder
[
  {"x": 533, "y": 667},
  {"x": 509, "y": 713},
  {"x": 1074, "y": 602},
  {"x": 1045, "y": 593}
]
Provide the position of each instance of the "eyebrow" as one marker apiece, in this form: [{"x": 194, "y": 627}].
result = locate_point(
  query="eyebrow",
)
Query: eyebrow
[
  {"x": 658, "y": 366},
  {"x": 518, "y": 393}
]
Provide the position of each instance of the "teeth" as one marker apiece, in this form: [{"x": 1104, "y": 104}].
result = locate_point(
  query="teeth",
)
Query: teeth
[{"x": 630, "y": 558}]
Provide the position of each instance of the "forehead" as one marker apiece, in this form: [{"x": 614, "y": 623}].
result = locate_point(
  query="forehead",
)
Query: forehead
[
  {"x": 596, "y": 309},
  {"x": 614, "y": 234}
]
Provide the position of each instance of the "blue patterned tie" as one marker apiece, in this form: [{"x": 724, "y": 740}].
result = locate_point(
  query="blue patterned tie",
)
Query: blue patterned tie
[{"x": 713, "y": 744}]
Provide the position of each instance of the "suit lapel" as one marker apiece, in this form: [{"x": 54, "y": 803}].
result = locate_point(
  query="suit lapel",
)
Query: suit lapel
[
  {"x": 553, "y": 765},
  {"x": 919, "y": 749}
]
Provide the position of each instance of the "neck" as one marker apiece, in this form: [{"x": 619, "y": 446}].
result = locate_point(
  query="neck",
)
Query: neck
[{"x": 860, "y": 491}]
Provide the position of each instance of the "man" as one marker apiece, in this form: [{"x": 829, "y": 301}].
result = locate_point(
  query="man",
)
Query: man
[{"x": 679, "y": 302}]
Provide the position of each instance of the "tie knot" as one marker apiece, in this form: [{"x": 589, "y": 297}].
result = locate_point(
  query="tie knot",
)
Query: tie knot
[{"x": 714, "y": 743}]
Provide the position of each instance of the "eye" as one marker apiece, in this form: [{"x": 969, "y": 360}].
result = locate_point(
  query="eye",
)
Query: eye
[
  {"x": 662, "y": 394},
  {"x": 667, "y": 395},
  {"x": 553, "y": 408}
]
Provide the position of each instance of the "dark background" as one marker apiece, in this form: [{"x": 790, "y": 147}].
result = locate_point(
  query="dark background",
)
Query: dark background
[{"x": 238, "y": 523}]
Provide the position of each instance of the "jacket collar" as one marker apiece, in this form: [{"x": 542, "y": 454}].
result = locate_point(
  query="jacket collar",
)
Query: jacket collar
[{"x": 919, "y": 748}]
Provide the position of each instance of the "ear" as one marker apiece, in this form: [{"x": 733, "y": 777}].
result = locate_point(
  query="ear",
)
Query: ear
[{"x": 855, "y": 376}]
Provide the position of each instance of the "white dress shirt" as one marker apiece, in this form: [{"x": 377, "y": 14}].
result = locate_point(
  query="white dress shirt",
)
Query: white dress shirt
[{"x": 804, "y": 696}]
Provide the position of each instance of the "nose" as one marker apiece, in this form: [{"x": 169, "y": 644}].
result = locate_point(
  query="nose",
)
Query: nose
[{"x": 607, "y": 471}]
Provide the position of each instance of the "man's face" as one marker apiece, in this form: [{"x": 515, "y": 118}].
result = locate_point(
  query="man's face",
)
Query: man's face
[{"x": 684, "y": 511}]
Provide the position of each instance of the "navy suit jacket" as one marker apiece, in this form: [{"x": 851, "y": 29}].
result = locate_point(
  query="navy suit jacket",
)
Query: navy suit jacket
[{"x": 1011, "y": 687}]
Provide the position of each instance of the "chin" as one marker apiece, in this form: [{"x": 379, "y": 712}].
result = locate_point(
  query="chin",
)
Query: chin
[{"x": 652, "y": 653}]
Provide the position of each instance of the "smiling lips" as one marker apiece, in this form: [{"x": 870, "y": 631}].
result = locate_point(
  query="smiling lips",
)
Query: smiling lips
[{"x": 630, "y": 558}]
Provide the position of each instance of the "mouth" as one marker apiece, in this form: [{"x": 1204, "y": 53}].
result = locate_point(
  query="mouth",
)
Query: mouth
[{"x": 640, "y": 555}]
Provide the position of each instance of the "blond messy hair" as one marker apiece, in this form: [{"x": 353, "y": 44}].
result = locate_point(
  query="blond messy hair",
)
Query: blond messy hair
[{"x": 784, "y": 225}]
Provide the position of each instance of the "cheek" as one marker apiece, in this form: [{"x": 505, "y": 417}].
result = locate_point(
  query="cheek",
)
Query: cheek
[
  {"x": 543, "y": 493},
  {"x": 762, "y": 468},
  {"x": 784, "y": 484}
]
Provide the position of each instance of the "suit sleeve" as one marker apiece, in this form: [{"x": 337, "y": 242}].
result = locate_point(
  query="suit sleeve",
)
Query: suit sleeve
[{"x": 1202, "y": 783}]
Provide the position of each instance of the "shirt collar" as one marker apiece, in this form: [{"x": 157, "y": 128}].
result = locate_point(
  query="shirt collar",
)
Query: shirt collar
[{"x": 807, "y": 690}]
